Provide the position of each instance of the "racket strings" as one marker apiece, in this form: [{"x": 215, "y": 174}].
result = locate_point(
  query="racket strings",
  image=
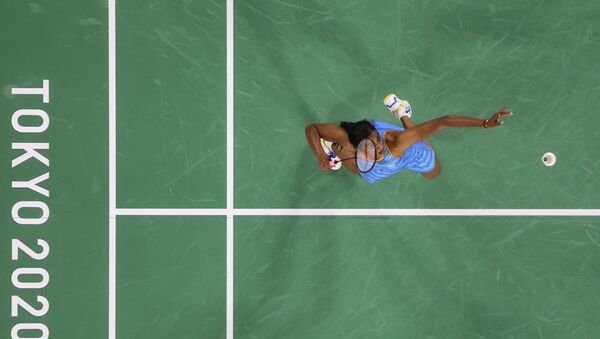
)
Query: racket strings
[{"x": 365, "y": 155}]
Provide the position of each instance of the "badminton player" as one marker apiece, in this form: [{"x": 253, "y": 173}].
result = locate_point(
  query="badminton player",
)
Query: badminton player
[{"x": 396, "y": 148}]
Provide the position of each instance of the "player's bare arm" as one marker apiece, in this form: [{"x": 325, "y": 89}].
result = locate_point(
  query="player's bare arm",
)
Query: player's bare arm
[{"x": 400, "y": 141}]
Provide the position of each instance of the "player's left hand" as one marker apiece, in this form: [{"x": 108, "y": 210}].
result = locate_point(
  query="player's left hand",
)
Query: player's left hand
[
  {"x": 324, "y": 163},
  {"x": 494, "y": 121}
]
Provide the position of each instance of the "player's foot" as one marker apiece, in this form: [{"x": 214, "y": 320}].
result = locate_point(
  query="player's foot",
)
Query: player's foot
[
  {"x": 327, "y": 147},
  {"x": 398, "y": 107}
]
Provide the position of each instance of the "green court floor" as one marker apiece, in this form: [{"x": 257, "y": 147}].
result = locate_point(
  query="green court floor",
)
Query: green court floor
[
  {"x": 298, "y": 62},
  {"x": 331, "y": 61},
  {"x": 417, "y": 278}
]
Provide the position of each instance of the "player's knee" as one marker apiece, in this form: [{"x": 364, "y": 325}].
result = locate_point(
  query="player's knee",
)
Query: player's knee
[
  {"x": 435, "y": 173},
  {"x": 431, "y": 175}
]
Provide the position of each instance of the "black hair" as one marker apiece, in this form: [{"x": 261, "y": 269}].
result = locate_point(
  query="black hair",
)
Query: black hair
[{"x": 357, "y": 131}]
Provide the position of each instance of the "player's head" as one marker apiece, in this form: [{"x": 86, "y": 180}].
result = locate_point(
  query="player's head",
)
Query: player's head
[{"x": 358, "y": 131}]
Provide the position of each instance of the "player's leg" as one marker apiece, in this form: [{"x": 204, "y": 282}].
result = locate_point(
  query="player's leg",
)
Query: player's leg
[
  {"x": 438, "y": 166},
  {"x": 406, "y": 122},
  {"x": 436, "y": 170}
]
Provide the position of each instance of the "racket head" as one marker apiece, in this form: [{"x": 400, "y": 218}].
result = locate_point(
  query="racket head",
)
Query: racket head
[{"x": 366, "y": 155}]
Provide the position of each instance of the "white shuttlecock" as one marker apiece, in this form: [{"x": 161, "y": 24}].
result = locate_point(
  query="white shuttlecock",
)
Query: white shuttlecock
[
  {"x": 549, "y": 159},
  {"x": 397, "y": 106}
]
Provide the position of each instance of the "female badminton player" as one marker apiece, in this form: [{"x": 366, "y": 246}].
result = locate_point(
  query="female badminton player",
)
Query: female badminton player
[{"x": 393, "y": 148}]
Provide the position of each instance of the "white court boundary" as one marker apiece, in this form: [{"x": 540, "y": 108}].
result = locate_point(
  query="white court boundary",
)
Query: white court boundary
[
  {"x": 229, "y": 232},
  {"x": 352, "y": 212},
  {"x": 230, "y": 212},
  {"x": 112, "y": 171}
]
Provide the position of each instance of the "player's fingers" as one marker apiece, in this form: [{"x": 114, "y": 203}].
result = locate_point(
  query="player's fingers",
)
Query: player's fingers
[
  {"x": 503, "y": 114},
  {"x": 496, "y": 121},
  {"x": 324, "y": 165}
]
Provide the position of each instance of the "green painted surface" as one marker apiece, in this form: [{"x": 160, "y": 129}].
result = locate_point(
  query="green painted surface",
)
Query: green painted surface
[
  {"x": 171, "y": 277},
  {"x": 68, "y": 47},
  {"x": 417, "y": 278},
  {"x": 171, "y": 104},
  {"x": 299, "y": 62}
]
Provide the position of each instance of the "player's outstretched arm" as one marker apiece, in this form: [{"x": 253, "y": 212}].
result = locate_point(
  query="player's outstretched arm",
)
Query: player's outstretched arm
[{"x": 429, "y": 128}]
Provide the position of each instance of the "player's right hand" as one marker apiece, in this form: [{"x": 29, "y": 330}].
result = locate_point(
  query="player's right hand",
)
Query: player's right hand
[{"x": 495, "y": 119}]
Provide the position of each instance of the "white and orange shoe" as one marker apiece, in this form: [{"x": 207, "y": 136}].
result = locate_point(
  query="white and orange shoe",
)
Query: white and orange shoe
[
  {"x": 398, "y": 107},
  {"x": 335, "y": 160}
]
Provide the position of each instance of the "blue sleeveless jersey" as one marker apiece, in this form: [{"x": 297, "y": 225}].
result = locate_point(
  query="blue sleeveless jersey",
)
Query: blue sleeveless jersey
[{"x": 419, "y": 157}]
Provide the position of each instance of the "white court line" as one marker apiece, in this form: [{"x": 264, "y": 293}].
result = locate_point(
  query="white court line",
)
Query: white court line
[
  {"x": 112, "y": 171},
  {"x": 172, "y": 211},
  {"x": 417, "y": 212},
  {"x": 229, "y": 235},
  {"x": 355, "y": 212}
]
